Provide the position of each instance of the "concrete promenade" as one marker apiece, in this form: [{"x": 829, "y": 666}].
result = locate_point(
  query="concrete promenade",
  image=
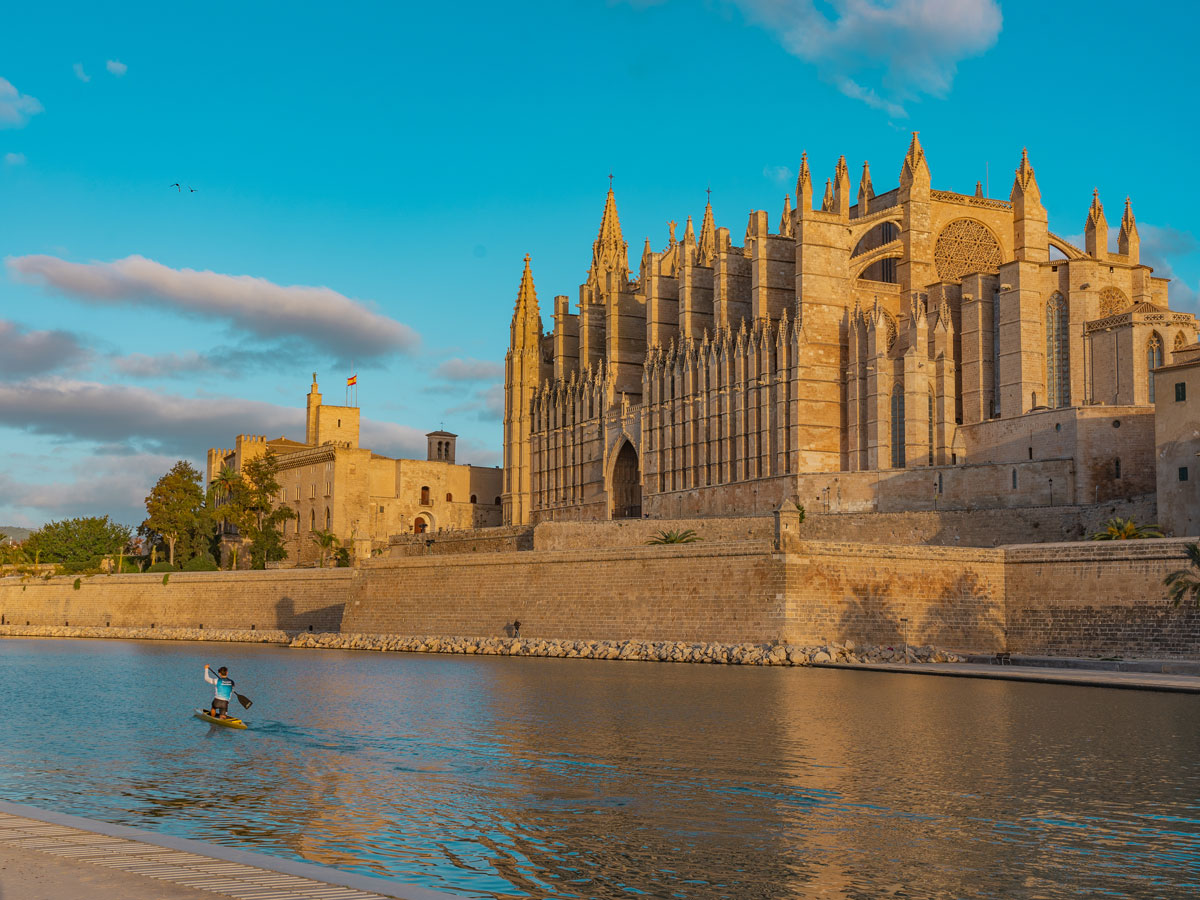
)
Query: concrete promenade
[
  {"x": 50, "y": 856},
  {"x": 1081, "y": 672}
]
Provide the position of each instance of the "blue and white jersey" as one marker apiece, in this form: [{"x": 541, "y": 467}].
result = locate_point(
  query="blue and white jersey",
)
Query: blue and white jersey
[{"x": 224, "y": 683}]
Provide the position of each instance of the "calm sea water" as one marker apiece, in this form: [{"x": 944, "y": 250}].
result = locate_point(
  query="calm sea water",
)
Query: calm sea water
[{"x": 497, "y": 777}]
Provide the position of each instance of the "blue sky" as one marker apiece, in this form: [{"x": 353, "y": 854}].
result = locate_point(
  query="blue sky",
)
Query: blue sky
[{"x": 368, "y": 178}]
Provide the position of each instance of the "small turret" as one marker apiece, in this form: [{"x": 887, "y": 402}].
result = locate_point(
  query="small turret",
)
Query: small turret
[
  {"x": 1030, "y": 223},
  {"x": 841, "y": 189},
  {"x": 707, "y": 246},
  {"x": 785, "y": 218},
  {"x": 804, "y": 188},
  {"x": 866, "y": 190},
  {"x": 1128, "y": 242},
  {"x": 914, "y": 175},
  {"x": 827, "y": 203},
  {"x": 1095, "y": 231}
]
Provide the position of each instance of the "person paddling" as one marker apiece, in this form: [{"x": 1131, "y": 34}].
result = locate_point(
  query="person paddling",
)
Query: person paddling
[{"x": 224, "y": 690}]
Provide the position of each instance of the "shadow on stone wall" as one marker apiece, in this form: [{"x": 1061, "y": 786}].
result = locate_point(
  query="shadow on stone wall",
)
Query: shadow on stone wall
[
  {"x": 324, "y": 618},
  {"x": 964, "y": 616},
  {"x": 869, "y": 616}
]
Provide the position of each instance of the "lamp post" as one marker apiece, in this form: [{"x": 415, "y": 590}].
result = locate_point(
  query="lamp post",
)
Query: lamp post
[{"x": 904, "y": 623}]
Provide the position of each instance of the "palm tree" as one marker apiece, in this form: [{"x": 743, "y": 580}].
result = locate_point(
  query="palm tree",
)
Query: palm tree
[
  {"x": 326, "y": 540},
  {"x": 1185, "y": 582},
  {"x": 1118, "y": 529},
  {"x": 674, "y": 537}
]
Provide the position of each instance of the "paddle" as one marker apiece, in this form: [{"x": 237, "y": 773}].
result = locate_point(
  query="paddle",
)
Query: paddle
[{"x": 242, "y": 698}]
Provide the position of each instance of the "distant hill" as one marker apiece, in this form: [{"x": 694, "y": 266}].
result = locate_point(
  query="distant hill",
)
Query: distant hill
[{"x": 17, "y": 534}]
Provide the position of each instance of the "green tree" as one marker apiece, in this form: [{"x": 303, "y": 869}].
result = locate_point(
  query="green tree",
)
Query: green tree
[
  {"x": 1118, "y": 529},
  {"x": 263, "y": 518},
  {"x": 78, "y": 544},
  {"x": 326, "y": 540},
  {"x": 1185, "y": 582},
  {"x": 175, "y": 506}
]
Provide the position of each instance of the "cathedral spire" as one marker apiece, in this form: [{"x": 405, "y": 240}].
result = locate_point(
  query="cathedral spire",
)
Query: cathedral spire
[
  {"x": 827, "y": 201},
  {"x": 1095, "y": 230},
  {"x": 865, "y": 190},
  {"x": 708, "y": 236},
  {"x": 610, "y": 252},
  {"x": 1029, "y": 216},
  {"x": 689, "y": 233},
  {"x": 804, "y": 188},
  {"x": 1128, "y": 243},
  {"x": 527, "y": 318},
  {"x": 841, "y": 188},
  {"x": 915, "y": 172},
  {"x": 785, "y": 220}
]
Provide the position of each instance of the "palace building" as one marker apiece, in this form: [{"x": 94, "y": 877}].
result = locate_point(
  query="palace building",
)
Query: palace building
[
  {"x": 911, "y": 349},
  {"x": 333, "y": 484}
]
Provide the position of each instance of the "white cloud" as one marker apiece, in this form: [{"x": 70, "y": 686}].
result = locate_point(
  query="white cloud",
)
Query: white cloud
[
  {"x": 80, "y": 74},
  {"x": 115, "y": 486},
  {"x": 116, "y": 67},
  {"x": 15, "y": 107},
  {"x": 135, "y": 419},
  {"x": 320, "y": 316},
  {"x": 161, "y": 365},
  {"x": 906, "y": 47},
  {"x": 25, "y": 353},
  {"x": 780, "y": 174},
  {"x": 469, "y": 370},
  {"x": 14, "y": 159}
]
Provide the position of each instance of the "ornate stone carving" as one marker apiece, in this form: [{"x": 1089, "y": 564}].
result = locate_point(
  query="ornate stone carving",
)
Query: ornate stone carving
[
  {"x": 963, "y": 247},
  {"x": 1112, "y": 301}
]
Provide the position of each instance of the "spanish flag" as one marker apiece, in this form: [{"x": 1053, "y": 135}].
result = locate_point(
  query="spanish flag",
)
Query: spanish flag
[{"x": 351, "y": 381}]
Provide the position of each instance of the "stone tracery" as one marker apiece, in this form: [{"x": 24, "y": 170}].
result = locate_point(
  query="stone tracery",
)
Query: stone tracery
[{"x": 963, "y": 247}]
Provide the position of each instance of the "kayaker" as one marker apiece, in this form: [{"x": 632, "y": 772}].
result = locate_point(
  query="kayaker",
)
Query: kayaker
[{"x": 224, "y": 690}]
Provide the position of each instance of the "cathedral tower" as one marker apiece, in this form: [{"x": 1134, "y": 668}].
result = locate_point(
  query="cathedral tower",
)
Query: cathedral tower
[{"x": 522, "y": 374}]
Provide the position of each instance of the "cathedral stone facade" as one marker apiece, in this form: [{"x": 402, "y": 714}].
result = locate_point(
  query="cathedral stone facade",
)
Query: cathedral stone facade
[{"x": 913, "y": 349}]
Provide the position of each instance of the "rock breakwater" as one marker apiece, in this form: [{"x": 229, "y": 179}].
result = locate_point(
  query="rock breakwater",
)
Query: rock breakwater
[{"x": 744, "y": 654}]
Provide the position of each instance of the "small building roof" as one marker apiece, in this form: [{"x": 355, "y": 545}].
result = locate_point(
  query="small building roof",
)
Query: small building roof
[{"x": 441, "y": 434}]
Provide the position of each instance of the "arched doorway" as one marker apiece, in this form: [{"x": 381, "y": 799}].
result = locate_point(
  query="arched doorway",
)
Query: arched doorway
[
  {"x": 626, "y": 492},
  {"x": 420, "y": 525}
]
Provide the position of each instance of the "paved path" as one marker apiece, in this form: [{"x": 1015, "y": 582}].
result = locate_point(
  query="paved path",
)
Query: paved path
[
  {"x": 50, "y": 856},
  {"x": 1138, "y": 681}
]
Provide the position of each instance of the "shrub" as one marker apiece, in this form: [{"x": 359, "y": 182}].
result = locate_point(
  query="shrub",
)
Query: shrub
[
  {"x": 343, "y": 557},
  {"x": 202, "y": 563},
  {"x": 78, "y": 583},
  {"x": 162, "y": 566},
  {"x": 1118, "y": 529}
]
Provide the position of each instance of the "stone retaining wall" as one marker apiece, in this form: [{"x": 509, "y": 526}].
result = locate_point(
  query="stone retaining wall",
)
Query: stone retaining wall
[{"x": 1078, "y": 598}]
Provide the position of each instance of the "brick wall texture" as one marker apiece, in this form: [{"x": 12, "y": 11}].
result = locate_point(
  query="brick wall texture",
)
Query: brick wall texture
[{"x": 1073, "y": 598}]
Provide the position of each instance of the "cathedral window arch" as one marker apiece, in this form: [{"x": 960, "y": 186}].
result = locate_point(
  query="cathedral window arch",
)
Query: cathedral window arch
[
  {"x": 898, "y": 426},
  {"x": 931, "y": 408},
  {"x": 963, "y": 247},
  {"x": 1058, "y": 353},
  {"x": 1180, "y": 342},
  {"x": 1154, "y": 359}
]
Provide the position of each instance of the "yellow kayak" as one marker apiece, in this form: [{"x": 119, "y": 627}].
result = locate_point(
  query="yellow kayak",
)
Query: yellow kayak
[{"x": 228, "y": 723}]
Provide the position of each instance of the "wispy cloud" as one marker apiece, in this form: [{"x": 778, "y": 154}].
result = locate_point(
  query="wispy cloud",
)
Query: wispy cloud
[
  {"x": 116, "y": 67},
  {"x": 80, "y": 74},
  {"x": 130, "y": 419},
  {"x": 469, "y": 370},
  {"x": 1161, "y": 248},
  {"x": 162, "y": 365},
  {"x": 779, "y": 174},
  {"x": 484, "y": 405},
  {"x": 321, "y": 317},
  {"x": 14, "y": 159},
  {"x": 15, "y": 107},
  {"x": 882, "y": 52},
  {"x": 24, "y": 353},
  {"x": 115, "y": 486}
]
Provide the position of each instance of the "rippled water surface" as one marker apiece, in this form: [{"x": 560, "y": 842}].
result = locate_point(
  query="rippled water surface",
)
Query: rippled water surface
[{"x": 499, "y": 777}]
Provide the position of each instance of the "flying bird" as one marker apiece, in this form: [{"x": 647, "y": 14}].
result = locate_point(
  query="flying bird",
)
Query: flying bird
[
  {"x": 177, "y": 187},
  {"x": 192, "y": 189}
]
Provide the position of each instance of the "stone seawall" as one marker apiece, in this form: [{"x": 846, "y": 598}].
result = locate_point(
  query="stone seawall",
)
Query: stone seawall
[{"x": 1080, "y": 598}]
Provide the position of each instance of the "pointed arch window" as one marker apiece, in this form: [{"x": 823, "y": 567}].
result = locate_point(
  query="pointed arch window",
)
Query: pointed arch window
[
  {"x": 1058, "y": 353},
  {"x": 898, "y": 427},
  {"x": 1154, "y": 359},
  {"x": 932, "y": 405}
]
